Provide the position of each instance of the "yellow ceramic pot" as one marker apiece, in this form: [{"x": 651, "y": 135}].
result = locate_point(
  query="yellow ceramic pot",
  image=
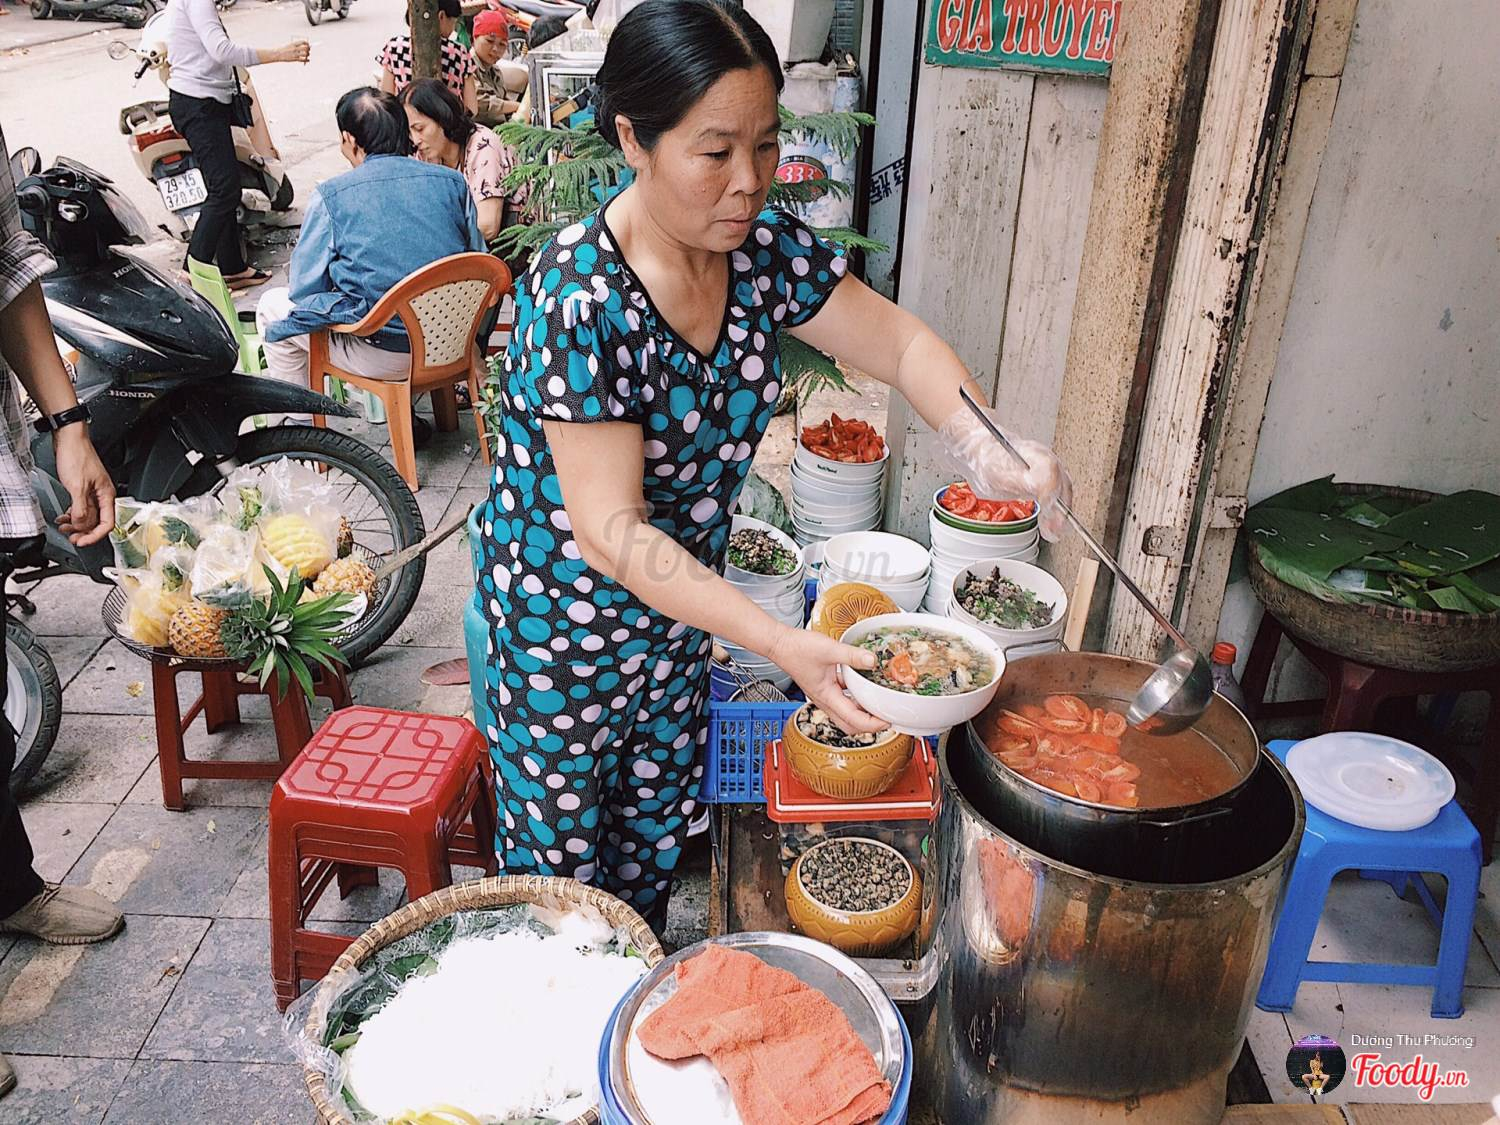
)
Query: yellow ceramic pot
[
  {"x": 845, "y": 774},
  {"x": 865, "y": 933}
]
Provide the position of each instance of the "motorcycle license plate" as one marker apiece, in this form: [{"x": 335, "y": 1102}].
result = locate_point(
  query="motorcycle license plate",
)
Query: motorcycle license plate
[{"x": 186, "y": 190}]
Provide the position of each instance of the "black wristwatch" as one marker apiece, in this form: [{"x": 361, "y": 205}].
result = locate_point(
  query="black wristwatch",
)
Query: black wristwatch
[{"x": 51, "y": 423}]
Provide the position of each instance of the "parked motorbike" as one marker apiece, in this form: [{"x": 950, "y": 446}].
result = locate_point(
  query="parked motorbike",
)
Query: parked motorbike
[
  {"x": 132, "y": 13},
  {"x": 171, "y": 418},
  {"x": 314, "y": 9},
  {"x": 164, "y": 157}
]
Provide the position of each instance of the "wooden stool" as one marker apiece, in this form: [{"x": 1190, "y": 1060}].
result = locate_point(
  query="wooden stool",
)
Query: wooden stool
[
  {"x": 1356, "y": 691},
  {"x": 373, "y": 788},
  {"x": 219, "y": 705}
]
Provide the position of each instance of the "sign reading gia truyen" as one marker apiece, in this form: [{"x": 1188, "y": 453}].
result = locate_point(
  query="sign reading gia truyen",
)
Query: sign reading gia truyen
[{"x": 1075, "y": 36}]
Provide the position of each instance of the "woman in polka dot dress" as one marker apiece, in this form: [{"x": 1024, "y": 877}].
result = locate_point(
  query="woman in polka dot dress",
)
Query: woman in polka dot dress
[{"x": 642, "y": 372}]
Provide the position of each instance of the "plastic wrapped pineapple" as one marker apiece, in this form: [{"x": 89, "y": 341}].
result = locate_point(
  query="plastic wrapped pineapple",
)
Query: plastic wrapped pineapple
[
  {"x": 297, "y": 542},
  {"x": 346, "y": 538},
  {"x": 345, "y": 576},
  {"x": 153, "y": 599}
]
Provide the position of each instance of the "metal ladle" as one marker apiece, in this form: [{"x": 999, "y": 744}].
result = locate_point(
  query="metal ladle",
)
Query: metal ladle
[{"x": 1178, "y": 692}]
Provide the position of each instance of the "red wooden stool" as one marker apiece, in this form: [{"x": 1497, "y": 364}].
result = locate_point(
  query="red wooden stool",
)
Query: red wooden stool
[
  {"x": 219, "y": 704},
  {"x": 373, "y": 788},
  {"x": 1356, "y": 690}
]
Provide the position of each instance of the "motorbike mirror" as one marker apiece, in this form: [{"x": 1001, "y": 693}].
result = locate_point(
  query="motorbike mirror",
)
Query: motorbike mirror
[
  {"x": 119, "y": 50},
  {"x": 25, "y": 162}
]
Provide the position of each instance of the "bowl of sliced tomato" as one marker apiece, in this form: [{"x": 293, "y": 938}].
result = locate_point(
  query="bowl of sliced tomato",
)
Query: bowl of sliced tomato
[
  {"x": 959, "y": 507},
  {"x": 847, "y": 449}
]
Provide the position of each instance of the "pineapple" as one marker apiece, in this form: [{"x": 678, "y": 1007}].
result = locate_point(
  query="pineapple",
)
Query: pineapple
[
  {"x": 294, "y": 542},
  {"x": 169, "y": 529},
  {"x": 143, "y": 624},
  {"x": 153, "y": 601},
  {"x": 286, "y": 636},
  {"x": 252, "y": 503},
  {"x": 346, "y": 537},
  {"x": 195, "y": 631},
  {"x": 346, "y": 576}
]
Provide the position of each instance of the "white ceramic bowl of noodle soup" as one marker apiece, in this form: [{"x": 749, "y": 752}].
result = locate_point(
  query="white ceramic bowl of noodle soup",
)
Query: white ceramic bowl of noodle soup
[
  {"x": 922, "y": 715},
  {"x": 1034, "y": 578}
]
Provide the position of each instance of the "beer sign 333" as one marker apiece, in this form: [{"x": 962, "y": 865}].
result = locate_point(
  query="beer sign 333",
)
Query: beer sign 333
[{"x": 1072, "y": 36}]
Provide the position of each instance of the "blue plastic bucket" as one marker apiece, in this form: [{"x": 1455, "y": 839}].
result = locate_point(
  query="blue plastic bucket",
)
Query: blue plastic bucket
[{"x": 476, "y": 633}]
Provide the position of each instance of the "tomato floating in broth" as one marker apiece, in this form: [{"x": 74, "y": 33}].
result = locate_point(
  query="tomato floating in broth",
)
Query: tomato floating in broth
[{"x": 1083, "y": 747}]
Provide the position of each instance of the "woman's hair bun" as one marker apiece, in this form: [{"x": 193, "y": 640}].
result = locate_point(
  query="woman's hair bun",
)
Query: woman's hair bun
[{"x": 663, "y": 57}]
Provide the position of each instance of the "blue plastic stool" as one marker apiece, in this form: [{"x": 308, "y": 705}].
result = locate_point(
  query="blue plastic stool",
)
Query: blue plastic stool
[{"x": 1449, "y": 846}]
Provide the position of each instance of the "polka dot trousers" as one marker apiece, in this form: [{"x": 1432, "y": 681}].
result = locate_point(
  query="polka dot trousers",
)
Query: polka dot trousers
[{"x": 597, "y": 769}]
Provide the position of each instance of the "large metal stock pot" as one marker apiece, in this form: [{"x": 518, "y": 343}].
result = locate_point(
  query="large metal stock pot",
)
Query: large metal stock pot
[
  {"x": 1067, "y": 996},
  {"x": 1104, "y": 840}
]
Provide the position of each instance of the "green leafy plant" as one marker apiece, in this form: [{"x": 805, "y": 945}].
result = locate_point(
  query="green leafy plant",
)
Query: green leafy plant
[
  {"x": 569, "y": 172},
  {"x": 283, "y": 636}
]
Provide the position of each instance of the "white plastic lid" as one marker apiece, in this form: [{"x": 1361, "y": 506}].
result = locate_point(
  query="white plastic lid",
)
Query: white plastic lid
[{"x": 1370, "y": 780}]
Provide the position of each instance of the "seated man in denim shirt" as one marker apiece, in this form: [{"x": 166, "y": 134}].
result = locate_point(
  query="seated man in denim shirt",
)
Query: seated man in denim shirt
[{"x": 363, "y": 232}]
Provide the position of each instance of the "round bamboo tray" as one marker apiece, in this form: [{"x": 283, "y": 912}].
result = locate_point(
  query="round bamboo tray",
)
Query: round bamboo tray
[
  {"x": 480, "y": 894},
  {"x": 1408, "y": 640}
]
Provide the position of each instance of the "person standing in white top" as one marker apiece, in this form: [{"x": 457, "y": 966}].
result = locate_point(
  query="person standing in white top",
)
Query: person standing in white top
[{"x": 202, "y": 85}]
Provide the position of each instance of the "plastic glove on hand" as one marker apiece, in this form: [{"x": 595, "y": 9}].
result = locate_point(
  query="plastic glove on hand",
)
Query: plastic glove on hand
[{"x": 994, "y": 474}]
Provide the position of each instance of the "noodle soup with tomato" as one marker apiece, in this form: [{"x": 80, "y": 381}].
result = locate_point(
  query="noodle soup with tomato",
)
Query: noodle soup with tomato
[{"x": 1081, "y": 746}]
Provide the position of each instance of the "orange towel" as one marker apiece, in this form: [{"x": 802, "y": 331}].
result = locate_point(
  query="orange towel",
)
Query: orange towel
[
  {"x": 717, "y": 980},
  {"x": 788, "y": 1053}
]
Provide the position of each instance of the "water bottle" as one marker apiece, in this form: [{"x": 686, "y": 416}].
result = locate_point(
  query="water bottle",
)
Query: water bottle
[{"x": 1225, "y": 684}]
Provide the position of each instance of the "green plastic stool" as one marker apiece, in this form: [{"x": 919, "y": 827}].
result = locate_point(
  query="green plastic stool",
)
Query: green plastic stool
[{"x": 209, "y": 284}]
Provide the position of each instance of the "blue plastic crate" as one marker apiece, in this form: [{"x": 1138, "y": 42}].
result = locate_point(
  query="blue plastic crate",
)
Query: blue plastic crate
[{"x": 737, "y": 737}]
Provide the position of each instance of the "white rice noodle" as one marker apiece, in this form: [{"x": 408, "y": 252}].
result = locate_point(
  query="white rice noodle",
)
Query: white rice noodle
[{"x": 506, "y": 1026}]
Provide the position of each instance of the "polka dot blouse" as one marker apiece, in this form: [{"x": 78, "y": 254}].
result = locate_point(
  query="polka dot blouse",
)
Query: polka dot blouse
[{"x": 589, "y": 346}]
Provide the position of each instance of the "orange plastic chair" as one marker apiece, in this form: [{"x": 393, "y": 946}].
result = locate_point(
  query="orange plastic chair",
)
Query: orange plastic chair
[{"x": 441, "y": 306}]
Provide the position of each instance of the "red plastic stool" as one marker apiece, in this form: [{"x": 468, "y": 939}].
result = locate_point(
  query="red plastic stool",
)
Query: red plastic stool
[
  {"x": 1356, "y": 690},
  {"x": 373, "y": 788},
  {"x": 220, "y": 707}
]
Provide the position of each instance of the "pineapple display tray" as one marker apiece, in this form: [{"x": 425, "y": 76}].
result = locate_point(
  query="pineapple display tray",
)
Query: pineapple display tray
[{"x": 116, "y": 601}]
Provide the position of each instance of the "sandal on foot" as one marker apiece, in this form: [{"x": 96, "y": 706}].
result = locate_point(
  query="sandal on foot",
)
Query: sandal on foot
[{"x": 249, "y": 281}]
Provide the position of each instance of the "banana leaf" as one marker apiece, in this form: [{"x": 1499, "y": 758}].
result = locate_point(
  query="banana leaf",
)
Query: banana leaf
[
  {"x": 1486, "y": 577},
  {"x": 1483, "y": 600},
  {"x": 1366, "y": 514},
  {"x": 1314, "y": 542},
  {"x": 1452, "y": 599},
  {"x": 1464, "y": 528},
  {"x": 1313, "y": 496}
]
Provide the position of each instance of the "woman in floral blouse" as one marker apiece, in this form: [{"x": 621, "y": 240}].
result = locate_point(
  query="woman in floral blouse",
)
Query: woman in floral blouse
[{"x": 442, "y": 133}]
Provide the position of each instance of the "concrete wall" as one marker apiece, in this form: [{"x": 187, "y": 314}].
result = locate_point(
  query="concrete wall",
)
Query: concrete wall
[{"x": 1389, "y": 366}]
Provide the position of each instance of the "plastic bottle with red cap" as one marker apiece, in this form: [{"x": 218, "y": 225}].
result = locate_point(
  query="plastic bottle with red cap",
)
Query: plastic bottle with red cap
[{"x": 1222, "y": 660}]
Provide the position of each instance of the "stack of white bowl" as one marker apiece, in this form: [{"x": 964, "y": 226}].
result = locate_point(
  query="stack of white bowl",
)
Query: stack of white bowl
[
  {"x": 1016, "y": 642},
  {"x": 833, "y": 497},
  {"x": 783, "y": 596},
  {"x": 957, "y": 542},
  {"x": 896, "y": 566}
]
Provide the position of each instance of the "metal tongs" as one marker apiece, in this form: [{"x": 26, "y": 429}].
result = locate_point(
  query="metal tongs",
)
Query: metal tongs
[{"x": 1178, "y": 692}]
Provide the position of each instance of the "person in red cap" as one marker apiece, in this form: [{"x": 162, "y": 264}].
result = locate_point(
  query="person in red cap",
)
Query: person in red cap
[{"x": 497, "y": 103}]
